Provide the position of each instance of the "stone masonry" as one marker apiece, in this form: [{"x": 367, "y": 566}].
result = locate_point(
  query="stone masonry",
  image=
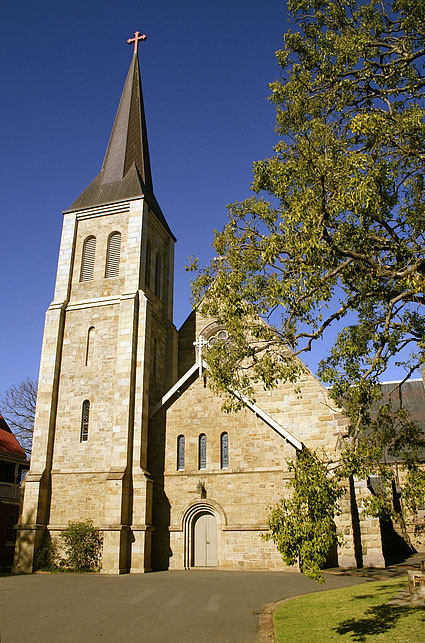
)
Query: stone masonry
[
  {"x": 127, "y": 433},
  {"x": 240, "y": 496}
]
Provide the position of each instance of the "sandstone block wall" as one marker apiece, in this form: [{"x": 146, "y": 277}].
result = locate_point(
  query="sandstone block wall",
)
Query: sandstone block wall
[
  {"x": 99, "y": 343},
  {"x": 241, "y": 495}
]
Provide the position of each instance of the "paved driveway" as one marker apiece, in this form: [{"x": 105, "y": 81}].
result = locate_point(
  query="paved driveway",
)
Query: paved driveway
[{"x": 189, "y": 607}]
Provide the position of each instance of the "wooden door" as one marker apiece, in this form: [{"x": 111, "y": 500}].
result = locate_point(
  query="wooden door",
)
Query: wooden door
[{"x": 205, "y": 541}]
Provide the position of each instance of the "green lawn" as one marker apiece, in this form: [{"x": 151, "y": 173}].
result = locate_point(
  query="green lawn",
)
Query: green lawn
[{"x": 358, "y": 613}]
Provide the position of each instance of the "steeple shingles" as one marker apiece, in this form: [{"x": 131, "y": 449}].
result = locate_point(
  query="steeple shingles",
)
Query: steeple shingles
[
  {"x": 128, "y": 143},
  {"x": 126, "y": 171}
]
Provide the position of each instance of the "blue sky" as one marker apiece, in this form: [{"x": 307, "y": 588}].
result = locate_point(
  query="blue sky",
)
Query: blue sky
[
  {"x": 205, "y": 69},
  {"x": 205, "y": 73}
]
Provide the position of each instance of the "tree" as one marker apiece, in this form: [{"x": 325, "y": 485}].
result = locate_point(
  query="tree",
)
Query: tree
[
  {"x": 17, "y": 405},
  {"x": 302, "y": 526},
  {"x": 339, "y": 240}
]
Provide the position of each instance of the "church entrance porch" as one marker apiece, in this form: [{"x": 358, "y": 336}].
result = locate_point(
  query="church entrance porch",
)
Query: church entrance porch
[{"x": 204, "y": 540}]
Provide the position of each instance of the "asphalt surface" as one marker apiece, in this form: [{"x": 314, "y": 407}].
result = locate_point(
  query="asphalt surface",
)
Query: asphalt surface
[{"x": 164, "y": 607}]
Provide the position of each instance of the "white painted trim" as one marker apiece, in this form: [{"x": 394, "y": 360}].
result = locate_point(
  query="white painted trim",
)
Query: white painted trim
[
  {"x": 99, "y": 301},
  {"x": 174, "y": 389},
  {"x": 100, "y": 210},
  {"x": 266, "y": 417},
  {"x": 414, "y": 379},
  {"x": 270, "y": 421},
  {"x": 256, "y": 409}
]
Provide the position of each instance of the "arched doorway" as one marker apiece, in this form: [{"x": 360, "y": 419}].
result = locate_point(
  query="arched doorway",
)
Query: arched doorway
[
  {"x": 204, "y": 540},
  {"x": 202, "y": 522}
]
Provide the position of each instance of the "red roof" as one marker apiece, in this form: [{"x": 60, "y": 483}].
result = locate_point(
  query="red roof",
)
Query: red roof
[{"x": 8, "y": 443}]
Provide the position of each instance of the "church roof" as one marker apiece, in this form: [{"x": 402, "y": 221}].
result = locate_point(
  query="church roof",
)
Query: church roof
[
  {"x": 8, "y": 443},
  {"x": 126, "y": 169}
]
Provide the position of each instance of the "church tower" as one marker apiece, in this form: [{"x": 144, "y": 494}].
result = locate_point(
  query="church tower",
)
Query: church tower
[{"x": 108, "y": 354}]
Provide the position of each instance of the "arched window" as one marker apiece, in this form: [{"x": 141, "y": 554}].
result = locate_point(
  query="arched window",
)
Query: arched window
[
  {"x": 202, "y": 451},
  {"x": 224, "y": 450},
  {"x": 87, "y": 261},
  {"x": 180, "y": 453},
  {"x": 158, "y": 274},
  {"x": 148, "y": 265},
  {"x": 222, "y": 336},
  {"x": 89, "y": 345},
  {"x": 113, "y": 251},
  {"x": 155, "y": 358},
  {"x": 84, "y": 434}
]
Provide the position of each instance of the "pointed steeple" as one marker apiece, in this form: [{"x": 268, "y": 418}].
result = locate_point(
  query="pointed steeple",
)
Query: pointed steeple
[
  {"x": 129, "y": 142},
  {"x": 126, "y": 170}
]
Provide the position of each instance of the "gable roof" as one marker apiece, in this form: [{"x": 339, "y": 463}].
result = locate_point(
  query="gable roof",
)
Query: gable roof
[
  {"x": 8, "y": 443},
  {"x": 410, "y": 394}
]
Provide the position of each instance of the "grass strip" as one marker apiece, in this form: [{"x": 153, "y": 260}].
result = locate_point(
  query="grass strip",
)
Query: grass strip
[{"x": 357, "y": 614}]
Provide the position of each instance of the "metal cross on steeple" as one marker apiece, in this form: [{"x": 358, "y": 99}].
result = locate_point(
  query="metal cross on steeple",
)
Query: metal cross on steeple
[{"x": 136, "y": 39}]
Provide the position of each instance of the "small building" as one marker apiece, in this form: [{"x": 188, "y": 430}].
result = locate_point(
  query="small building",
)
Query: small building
[{"x": 13, "y": 466}]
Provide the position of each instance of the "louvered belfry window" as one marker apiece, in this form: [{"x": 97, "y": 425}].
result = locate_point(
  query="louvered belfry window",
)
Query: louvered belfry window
[
  {"x": 84, "y": 435},
  {"x": 87, "y": 262},
  {"x": 113, "y": 255}
]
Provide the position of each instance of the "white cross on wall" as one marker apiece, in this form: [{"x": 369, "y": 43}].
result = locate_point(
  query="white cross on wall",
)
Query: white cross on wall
[{"x": 200, "y": 343}]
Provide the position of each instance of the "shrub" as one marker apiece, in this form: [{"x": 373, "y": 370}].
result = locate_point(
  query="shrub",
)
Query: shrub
[
  {"x": 45, "y": 558},
  {"x": 81, "y": 544}
]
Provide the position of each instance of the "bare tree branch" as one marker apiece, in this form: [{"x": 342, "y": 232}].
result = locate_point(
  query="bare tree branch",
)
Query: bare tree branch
[{"x": 17, "y": 406}]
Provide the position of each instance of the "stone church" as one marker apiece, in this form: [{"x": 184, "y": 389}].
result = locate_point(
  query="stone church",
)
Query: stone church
[{"x": 127, "y": 432}]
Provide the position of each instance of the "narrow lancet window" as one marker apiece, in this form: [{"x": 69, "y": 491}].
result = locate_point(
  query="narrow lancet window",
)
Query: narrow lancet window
[
  {"x": 113, "y": 255},
  {"x": 89, "y": 346},
  {"x": 148, "y": 265},
  {"x": 224, "y": 450},
  {"x": 155, "y": 358},
  {"x": 87, "y": 261},
  {"x": 158, "y": 274},
  {"x": 202, "y": 451},
  {"x": 180, "y": 453},
  {"x": 84, "y": 434}
]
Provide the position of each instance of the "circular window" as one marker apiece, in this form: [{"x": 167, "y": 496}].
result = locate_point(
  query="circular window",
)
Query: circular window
[{"x": 221, "y": 336}]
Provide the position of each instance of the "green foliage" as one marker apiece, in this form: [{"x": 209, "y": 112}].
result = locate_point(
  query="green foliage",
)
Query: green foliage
[
  {"x": 334, "y": 234},
  {"x": 82, "y": 546},
  {"x": 342, "y": 236},
  {"x": 77, "y": 549},
  {"x": 46, "y": 555},
  {"x": 302, "y": 526}
]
